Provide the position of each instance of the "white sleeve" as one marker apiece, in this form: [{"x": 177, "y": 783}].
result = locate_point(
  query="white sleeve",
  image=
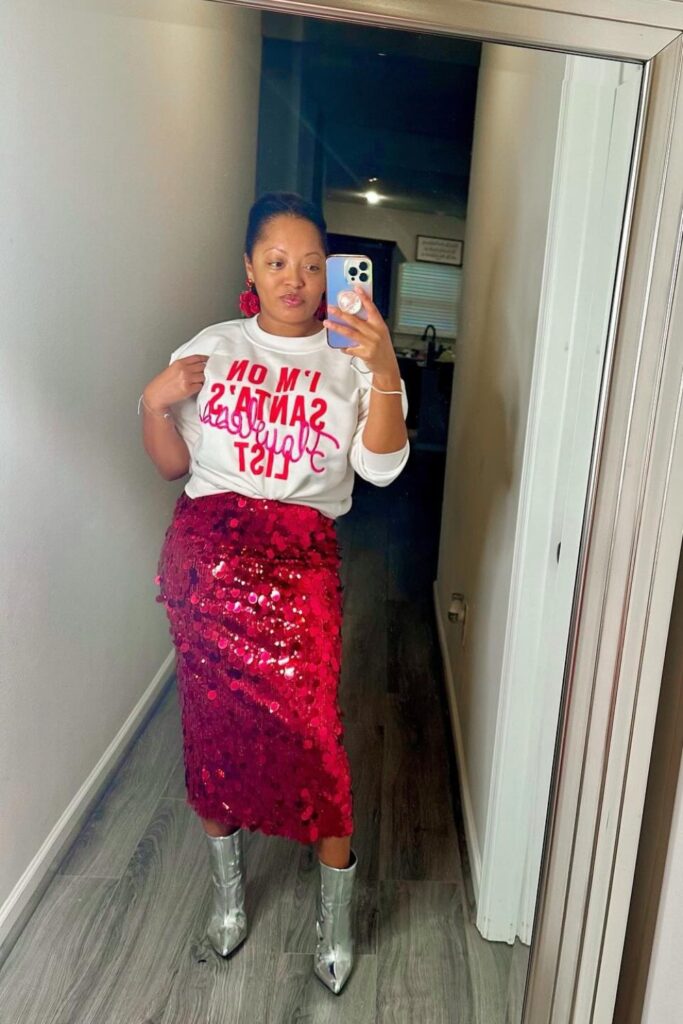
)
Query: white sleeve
[
  {"x": 185, "y": 415},
  {"x": 379, "y": 468}
]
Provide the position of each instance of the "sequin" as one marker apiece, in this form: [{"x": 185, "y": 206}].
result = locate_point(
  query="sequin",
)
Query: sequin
[{"x": 254, "y": 601}]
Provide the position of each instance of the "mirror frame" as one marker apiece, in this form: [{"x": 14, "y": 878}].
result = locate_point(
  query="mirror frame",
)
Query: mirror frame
[{"x": 633, "y": 520}]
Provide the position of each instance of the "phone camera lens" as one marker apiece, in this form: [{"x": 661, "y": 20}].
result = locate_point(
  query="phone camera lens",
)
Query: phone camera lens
[
  {"x": 362, "y": 277},
  {"x": 353, "y": 271},
  {"x": 363, "y": 265}
]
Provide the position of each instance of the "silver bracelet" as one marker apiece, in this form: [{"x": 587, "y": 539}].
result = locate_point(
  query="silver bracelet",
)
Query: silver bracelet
[
  {"x": 164, "y": 415},
  {"x": 366, "y": 372}
]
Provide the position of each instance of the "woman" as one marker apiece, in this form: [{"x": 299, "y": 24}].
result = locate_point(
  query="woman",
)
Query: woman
[{"x": 272, "y": 424}]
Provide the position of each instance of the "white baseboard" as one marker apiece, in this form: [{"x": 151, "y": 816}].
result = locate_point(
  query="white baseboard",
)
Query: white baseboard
[
  {"x": 26, "y": 894},
  {"x": 471, "y": 837}
]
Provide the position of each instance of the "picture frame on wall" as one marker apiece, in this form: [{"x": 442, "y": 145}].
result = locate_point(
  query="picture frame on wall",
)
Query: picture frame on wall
[{"x": 430, "y": 249}]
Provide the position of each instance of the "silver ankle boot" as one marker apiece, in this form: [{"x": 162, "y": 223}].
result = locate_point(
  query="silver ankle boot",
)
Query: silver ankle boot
[
  {"x": 333, "y": 958},
  {"x": 228, "y": 924}
]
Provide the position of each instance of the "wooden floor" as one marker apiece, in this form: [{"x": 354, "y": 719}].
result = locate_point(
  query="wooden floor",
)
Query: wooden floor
[{"x": 118, "y": 937}]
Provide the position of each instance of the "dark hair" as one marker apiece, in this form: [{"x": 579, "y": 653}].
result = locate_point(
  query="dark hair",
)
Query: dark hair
[{"x": 272, "y": 204}]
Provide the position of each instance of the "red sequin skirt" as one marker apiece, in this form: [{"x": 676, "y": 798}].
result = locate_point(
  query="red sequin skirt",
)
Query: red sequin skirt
[{"x": 253, "y": 595}]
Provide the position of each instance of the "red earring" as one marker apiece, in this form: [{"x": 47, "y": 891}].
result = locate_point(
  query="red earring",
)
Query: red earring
[{"x": 249, "y": 302}]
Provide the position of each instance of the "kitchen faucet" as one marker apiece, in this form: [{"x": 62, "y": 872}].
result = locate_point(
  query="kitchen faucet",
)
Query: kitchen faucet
[{"x": 433, "y": 350}]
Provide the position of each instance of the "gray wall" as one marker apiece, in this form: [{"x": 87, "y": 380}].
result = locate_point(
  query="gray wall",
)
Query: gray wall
[
  {"x": 129, "y": 146},
  {"x": 505, "y": 245}
]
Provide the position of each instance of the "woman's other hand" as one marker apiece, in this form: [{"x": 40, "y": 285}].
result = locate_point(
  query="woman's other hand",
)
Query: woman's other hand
[{"x": 184, "y": 377}]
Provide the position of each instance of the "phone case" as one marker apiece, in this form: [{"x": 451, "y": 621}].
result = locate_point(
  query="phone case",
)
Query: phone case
[{"x": 343, "y": 270}]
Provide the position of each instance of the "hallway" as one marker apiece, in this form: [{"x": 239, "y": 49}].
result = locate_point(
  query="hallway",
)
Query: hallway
[{"x": 118, "y": 937}]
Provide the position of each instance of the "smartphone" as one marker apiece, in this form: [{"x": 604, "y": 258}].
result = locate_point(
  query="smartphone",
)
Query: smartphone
[{"x": 343, "y": 271}]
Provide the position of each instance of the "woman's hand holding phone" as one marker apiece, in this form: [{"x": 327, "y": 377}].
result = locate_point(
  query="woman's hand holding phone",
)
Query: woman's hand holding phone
[
  {"x": 184, "y": 377},
  {"x": 370, "y": 338}
]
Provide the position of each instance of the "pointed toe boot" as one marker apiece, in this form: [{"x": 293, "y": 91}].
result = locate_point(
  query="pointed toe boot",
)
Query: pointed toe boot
[
  {"x": 227, "y": 926},
  {"x": 333, "y": 957}
]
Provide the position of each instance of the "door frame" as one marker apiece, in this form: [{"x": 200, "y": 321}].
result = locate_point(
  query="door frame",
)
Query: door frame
[{"x": 633, "y": 520}]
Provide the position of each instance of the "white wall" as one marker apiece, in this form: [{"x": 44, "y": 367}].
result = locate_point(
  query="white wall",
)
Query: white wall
[
  {"x": 513, "y": 156},
  {"x": 394, "y": 225},
  {"x": 129, "y": 141}
]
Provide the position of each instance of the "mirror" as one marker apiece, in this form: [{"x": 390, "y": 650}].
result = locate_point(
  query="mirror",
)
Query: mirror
[
  {"x": 488, "y": 185},
  {"x": 500, "y": 176}
]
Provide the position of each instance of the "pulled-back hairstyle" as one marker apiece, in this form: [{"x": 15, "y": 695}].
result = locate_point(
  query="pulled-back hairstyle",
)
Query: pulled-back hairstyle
[{"x": 272, "y": 204}]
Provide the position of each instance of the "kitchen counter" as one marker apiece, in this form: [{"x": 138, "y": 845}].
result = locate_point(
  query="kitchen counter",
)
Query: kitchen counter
[
  {"x": 428, "y": 389},
  {"x": 419, "y": 356}
]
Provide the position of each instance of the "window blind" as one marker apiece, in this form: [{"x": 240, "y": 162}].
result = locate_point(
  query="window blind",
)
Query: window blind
[{"x": 428, "y": 293}]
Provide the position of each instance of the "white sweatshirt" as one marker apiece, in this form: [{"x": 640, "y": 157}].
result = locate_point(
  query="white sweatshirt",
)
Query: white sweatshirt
[{"x": 280, "y": 418}]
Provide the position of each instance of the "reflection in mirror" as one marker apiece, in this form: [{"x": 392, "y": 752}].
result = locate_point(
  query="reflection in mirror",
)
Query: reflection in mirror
[
  {"x": 499, "y": 177},
  {"x": 486, "y": 183}
]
